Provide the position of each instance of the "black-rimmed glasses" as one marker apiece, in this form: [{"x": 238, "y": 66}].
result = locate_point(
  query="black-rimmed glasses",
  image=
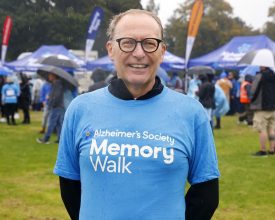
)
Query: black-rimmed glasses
[{"x": 149, "y": 45}]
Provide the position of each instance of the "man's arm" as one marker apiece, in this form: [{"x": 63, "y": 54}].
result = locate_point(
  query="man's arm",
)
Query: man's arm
[
  {"x": 202, "y": 199},
  {"x": 71, "y": 194}
]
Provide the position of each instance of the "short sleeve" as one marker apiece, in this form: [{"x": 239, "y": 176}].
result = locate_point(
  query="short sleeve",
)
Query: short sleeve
[
  {"x": 67, "y": 163},
  {"x": 203, "y": 164}
]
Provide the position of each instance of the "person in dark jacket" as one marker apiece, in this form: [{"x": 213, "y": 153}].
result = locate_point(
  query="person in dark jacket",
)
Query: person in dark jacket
[
  {"x": 206, "y": 94},
  {"x": 263, "y": 104},
  {"x": 56, "y": 108},
  {"x": 24, "y": 100}
]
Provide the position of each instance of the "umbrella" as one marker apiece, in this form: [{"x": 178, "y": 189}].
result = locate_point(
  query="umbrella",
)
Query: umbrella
[
  {"x": 251, "y": 70},
  {"x": 197, "y": 70},
  {"x": 59, "y": 61},
  {"x": 4, "y": 71},
  {"x": 69, "y": 79},
  {"x": 261, "y": 57}
]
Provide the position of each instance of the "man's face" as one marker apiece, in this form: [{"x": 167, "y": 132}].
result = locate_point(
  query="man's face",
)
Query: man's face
[
  {"x": 138, "y": 68},
  {"x": 51, "y": 77}
]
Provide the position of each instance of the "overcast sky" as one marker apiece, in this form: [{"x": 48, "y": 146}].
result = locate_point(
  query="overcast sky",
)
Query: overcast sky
[{"x": 253, "y": 12}]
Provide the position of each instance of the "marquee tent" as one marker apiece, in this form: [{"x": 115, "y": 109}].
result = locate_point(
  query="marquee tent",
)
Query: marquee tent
[
  {"x": 170, "y": 62},
  {"x": 227, "y": 56},
  {"x": 32, "y": 62}
]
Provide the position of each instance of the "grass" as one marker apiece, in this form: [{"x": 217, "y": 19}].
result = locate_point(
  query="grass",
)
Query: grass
[{"x": 29, "y": 190}]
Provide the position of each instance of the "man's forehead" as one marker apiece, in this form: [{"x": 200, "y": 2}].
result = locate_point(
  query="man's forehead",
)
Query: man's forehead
[{"x": 131, "y": 22}]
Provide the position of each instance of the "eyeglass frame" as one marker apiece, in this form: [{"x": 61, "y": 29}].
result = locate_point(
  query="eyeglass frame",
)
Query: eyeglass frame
[{"x": 138, "y": 41}]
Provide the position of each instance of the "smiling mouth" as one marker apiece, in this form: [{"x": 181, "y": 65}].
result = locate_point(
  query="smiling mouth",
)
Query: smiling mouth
[{"x": 138, "y": 66}]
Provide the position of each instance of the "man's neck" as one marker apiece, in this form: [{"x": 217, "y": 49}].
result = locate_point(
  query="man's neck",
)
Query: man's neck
[
  {"x": 138, "y": 91},
  {"x": 118, "y": 88}
]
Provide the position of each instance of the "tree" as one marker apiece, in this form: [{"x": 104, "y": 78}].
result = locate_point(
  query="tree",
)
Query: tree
[
  {"x": 269, "y": 28},
  {"x": 218, "y": 25},
  {"x": 152, "y": 7},
  {"x": 57, "y": 22}
]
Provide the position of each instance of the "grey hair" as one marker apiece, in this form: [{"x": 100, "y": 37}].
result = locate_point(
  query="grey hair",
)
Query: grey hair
[{"x": 117, "y": 18}]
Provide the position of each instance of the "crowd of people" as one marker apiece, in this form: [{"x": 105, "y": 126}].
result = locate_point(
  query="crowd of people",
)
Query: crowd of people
[{"x": 250, "y": 96}]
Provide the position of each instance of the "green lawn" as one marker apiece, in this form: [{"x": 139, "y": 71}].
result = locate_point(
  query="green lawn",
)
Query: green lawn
[{"x": 30, "y": 191}]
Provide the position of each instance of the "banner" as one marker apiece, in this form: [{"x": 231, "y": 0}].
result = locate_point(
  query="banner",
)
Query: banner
[
  {"x": 6, "y": 36},
  {"x": 94, "y": 23},
  {"x": 193, "y": 27}
]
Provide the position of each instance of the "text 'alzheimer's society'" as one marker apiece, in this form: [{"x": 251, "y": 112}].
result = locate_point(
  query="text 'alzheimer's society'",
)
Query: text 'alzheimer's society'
[{"x": 103, "y": 149}]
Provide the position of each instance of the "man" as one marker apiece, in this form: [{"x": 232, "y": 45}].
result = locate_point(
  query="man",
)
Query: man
[
  {"x": 263, "y": 104},
  {"x": 126, "y": 150},
  {"x": 55, "y": 107}
]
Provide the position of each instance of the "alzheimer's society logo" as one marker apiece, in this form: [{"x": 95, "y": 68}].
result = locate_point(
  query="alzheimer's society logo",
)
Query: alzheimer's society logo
[{"x": 101, "y": 150}]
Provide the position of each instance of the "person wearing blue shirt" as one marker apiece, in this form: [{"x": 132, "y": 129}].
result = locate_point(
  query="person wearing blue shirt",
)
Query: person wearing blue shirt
[
  {"x": 10, "y": 93},
  {"x": 127, "y": 150},
  {"x": 44, "y": 99}
]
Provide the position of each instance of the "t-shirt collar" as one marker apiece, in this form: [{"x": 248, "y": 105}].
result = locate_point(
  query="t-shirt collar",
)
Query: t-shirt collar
[{"x": 118, "y": 88}]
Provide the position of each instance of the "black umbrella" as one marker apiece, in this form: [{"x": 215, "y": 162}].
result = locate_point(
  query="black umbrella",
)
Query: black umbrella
[
  {"x": 197, "y": 70},
  {"x": 63, "y": 75},
  {"x": 59, "y": 61}
]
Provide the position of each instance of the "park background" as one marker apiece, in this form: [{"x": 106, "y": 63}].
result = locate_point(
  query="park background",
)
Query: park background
[
  {"x": 29, "y": 189},
  {"x": 65, "y": 22}
]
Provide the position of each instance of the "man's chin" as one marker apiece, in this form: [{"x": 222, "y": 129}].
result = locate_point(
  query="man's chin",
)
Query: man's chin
[{"x": 138, "y": 81}]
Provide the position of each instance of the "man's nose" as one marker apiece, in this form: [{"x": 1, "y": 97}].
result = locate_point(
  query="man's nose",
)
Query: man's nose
[{"x": 139, "y": 52}]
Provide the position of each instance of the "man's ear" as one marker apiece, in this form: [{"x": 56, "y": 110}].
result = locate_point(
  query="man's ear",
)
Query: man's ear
[
  {"x": 109, "y": 48},
  {"x": 163, "y": 50}
]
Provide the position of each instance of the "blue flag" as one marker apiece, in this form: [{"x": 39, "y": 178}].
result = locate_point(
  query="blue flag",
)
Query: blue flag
[{"x": 94, "y": 23}]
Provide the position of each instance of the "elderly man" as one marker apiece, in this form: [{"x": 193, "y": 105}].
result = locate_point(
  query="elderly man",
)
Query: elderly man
[{"x": 127, "y": 150}]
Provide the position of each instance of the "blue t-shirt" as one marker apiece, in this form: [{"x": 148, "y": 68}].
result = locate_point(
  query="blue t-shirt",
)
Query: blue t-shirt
[
  {"x": 133, "y": 157},
  {"x": 10, "y": 93}
]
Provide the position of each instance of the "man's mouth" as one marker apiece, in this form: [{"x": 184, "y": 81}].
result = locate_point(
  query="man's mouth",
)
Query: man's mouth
[{"x": 138, "y": 66}]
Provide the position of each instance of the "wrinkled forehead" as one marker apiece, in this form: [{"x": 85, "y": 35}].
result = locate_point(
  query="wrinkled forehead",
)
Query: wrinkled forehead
[{"x": 141, "y": 23}]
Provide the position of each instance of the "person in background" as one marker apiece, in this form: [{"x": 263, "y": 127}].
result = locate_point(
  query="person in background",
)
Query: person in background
[
  {"x": 36, "y": 87},
  {"x": 127, "y": 150},
  {"x": 234, "y": 94},
  {"x": 2, "y": 108},
  {"x": 226, "y": 86},
  {"x": 193, "y": 87},
  {"x": 10, "y": 93},
  {"x": 56, "y": 109},
  {"x": 44, "y": 99},
  {"x": 206, "y": 95},
  {"x": 24, "y": 100},
  {"x": 175, "y": 82},
  {"x": 245, "y": 93},
  {"x": 263, "y": 104},
  {"x": 221, "y": 103},
  {"x": 99, "y": 79}
]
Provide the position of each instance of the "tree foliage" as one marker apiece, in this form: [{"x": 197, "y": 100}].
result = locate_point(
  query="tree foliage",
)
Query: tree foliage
[
  {"x": 218, "y": 25},
  {"x": 53, "y": 22},
  {"x": 153, "y": 7},
  {"x": 40, "y": 22},
  {"x": 269, "y": 28}
]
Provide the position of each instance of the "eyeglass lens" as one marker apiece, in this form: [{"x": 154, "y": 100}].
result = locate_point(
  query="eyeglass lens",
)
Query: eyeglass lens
[{"x": 129, "y": 44}]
